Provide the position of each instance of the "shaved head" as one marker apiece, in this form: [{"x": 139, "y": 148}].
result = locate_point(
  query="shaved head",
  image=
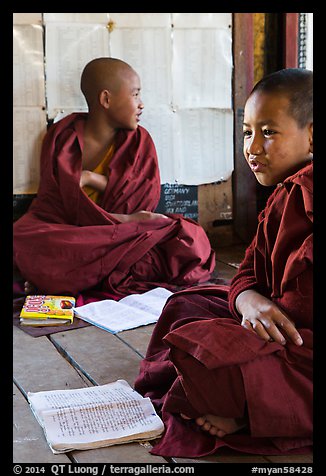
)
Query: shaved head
[
  {"x": 297, "y": 85},
  {"x": 103, "y": 73}
]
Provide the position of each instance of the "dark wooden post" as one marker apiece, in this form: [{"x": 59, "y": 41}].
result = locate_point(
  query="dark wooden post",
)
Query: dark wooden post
[
  {"x": 244, "y": 183},
  {"x": 291, "y": 45}
]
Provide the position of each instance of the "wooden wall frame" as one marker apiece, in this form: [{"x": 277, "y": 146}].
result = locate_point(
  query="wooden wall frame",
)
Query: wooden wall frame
[
  {"x": 291, "y": 40},
  {"x": 244, "y": 183}
]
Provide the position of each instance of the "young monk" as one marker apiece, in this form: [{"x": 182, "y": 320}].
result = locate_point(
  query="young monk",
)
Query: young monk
[
  {"x": 93, "y": 224},
  {"x": 232, "y": 365}
]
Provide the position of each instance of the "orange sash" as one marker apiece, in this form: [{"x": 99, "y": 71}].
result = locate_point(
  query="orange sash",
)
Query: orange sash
[{"x": 101, "y": 169}]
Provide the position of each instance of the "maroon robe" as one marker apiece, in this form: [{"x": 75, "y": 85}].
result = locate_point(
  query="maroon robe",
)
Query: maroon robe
[
  {"x": 66, "y": 243},
  {"x": 201, "y": 360}
]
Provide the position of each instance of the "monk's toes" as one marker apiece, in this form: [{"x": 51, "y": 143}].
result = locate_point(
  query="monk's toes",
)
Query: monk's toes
[
  {"x": 28, "y": 287},
  {"x": 206, "y": 426},
  {"x": 213, "y": 431},
  {"x": 200, "y": 421}
]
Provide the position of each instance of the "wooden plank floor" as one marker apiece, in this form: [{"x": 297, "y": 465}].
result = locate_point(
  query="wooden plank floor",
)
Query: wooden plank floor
[{"x": 91, "y": 356}]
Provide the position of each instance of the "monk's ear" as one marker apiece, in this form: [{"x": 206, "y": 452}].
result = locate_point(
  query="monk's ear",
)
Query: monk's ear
[
  {"x": 311, "y": 138},
  {"x": 105, "y": 97}
]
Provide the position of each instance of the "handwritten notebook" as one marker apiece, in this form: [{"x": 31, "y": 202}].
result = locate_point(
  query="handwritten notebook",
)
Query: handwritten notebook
[{"x": 94, "y": 417}]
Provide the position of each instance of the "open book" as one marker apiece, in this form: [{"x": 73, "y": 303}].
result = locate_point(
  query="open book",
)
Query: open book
[
  {"x": 93, "y": 417},
  {"x": 131, "y": 311}
]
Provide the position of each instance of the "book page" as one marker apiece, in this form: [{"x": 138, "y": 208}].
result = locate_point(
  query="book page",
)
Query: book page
[
  {"x": 202, "y": 20},
  {"x": 147, "y": 51},
  {"x": 29, "y": 115},
  {"x": 28, "y": 66},
  {"x": 130, "y": 312},
  {"x": 160, "y": 123},
  {"x": 202, "y": 78},
  {"x": 44, "y": 322},
  {"x": 27, "y": 18},
  {"x": 76, "y": 18},
  {"x": 203, "y": 137},
  {"x": 81, "y": 418},
  {"x": 29, "y": 128},
  {"x": 150, "y": 302},
  {"x": 69, "y": 47},
  {"x": 140, "y": 20}
]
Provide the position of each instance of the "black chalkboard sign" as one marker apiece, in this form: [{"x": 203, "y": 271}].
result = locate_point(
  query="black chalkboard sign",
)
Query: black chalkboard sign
[{"x": 181, "y": 199}]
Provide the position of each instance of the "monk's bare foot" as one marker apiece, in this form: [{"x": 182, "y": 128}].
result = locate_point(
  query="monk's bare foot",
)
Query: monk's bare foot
[
  {"x": 219, "y": 426},
  {"x": 29, "y": 288}
]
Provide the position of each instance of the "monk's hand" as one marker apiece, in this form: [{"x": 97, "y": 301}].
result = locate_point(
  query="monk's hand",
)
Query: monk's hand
[
  {"x": 145, "y": 215},
  {"x": 84, "y": 178},
  {"x": 138, "y": 216},
  {"x": 92, "y": 179},
  {"x": 265, "y": 318}
]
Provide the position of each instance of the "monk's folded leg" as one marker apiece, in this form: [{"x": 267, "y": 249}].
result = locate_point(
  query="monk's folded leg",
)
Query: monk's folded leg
[{"x": 208, "y": 391}]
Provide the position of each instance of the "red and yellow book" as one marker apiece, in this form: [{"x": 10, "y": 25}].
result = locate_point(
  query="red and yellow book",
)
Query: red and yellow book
[{"x": 46, "y": 310}]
